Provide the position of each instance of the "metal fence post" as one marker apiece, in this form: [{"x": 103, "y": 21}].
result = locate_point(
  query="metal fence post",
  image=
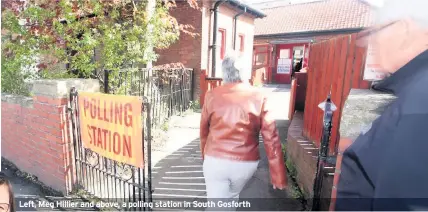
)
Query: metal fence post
[
  {"x": 328, "y": 107},
  {"x": 106, "y": 75},
  {"x": 72, "y": 110},
  {"x": 183, "y": 105},
  {"x": 149, "y": 148}
]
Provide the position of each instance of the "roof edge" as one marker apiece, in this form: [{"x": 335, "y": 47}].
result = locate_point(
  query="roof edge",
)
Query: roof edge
[
  {"x": 241, "y": 5},
  {"x": 311, "y": 33},
  {"x": 293, "y": 4}
]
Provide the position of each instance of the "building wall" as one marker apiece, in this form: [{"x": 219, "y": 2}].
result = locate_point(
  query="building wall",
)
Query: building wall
[
  {"x": 315, "y": 38},
  {"x": 195, "y": 51},
  {"x": 245, "y": 26},
  {"x": 186, "y": 51},
  {"x": 205, "y": 35}
]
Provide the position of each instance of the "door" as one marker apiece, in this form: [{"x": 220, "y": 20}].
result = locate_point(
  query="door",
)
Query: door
[
  {"x": 298, "y": 54},
  {"x": 283, "y": 65},
  {"x": 261, "y": 60}
]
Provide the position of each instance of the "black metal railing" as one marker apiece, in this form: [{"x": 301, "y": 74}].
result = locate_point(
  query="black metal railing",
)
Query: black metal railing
[
  {"x": 108, "y": 180},
  {"x": 169, "y": 91}
]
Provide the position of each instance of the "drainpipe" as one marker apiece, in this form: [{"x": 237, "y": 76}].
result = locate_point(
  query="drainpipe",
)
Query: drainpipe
[
  {"x": 215, "y": 29},
  {"x": 235, "y": 19}
]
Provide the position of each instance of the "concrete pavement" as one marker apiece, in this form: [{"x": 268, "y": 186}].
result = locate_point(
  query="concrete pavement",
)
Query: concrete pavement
[{"x": 177, "y": 172}]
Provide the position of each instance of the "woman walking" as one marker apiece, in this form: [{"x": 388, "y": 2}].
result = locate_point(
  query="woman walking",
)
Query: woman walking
[{"x": 233, "y": 115}]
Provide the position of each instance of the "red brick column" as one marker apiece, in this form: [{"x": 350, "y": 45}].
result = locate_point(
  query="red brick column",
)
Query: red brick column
[
  {"x": 344, "y": 143},
  {"x": 34, "y": 138},
  {"x": 36, "y": 133}
]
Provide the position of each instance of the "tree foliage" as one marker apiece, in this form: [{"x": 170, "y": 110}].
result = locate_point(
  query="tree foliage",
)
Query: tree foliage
[{"x": 52, "y": 33}]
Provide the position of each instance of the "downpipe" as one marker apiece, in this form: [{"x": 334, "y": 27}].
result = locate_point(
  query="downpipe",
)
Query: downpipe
[
  {"x": 215, "y": 29},
  {"x": 235, "y": 22}
]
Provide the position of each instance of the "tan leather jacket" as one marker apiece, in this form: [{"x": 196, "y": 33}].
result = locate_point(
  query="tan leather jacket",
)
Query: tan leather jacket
[{"x": 233, "y": 115}]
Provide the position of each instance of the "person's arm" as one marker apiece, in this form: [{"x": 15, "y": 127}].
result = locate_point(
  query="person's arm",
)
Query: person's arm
[
  {"x": 273, "y": 147},
  {"x": 204, "y": 125}
]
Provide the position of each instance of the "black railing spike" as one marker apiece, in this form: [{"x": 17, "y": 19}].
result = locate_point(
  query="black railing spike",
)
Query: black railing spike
[
  {"x": 103, "y": 177},
  {"x": 323, "y": 153}
]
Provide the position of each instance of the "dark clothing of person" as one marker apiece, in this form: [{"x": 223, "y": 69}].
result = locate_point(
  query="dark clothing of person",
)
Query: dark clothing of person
[
  {"x": 297, "y": 67},
  {"x": 385, "y": 168}
]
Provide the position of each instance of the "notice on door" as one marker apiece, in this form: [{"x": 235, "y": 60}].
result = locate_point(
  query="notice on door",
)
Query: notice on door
[
  {"x": 111, "y": 126},
  {"x": 284, "y": 66},
  {"x": 372, "y": 69}
]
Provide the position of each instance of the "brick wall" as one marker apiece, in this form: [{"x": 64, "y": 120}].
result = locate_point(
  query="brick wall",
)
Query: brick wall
[
  {"x": 35, "y": 138},
  {"x": 303, "y": 155},
  {"x": 35, "y": 133},
  {"x": 344, "y": 143},
  {"x": 193, "y": 50},
  {"x": 187, "y": 49}
]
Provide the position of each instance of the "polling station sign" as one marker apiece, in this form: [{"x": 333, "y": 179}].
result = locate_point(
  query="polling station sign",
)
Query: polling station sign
[{"x": 111, "y": 126}]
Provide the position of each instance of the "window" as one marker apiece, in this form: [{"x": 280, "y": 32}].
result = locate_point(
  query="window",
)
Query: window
[
  {"x": 222, "y": 42},
  {"x": 261, "y": 59},
  {"x": 241, "y": 42},
  {"x": 261, "y": 48},
  {"x": 284, "y": 53}
]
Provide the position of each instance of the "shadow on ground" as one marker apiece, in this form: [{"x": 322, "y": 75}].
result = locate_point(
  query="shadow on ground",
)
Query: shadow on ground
[
  {"x": 32, "y": 195},
  {"x": 179, "y": 178}
]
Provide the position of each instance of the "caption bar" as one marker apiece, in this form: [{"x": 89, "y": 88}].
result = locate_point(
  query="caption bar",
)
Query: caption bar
[{"x": 138, "y": 204}]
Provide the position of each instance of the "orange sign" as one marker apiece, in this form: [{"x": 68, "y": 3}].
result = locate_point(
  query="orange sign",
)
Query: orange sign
[{"x": 111, "y": 126}]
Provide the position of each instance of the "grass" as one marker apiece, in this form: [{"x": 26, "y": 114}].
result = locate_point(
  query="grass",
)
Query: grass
[
  {"x": 89, "y": 200},
  {"x": 195, "y": 105},
  {"x": 295, "y": 190},
  {"x": 165, "y": 126}
]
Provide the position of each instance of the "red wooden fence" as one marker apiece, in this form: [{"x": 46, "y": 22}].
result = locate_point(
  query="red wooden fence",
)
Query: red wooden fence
[
  {"x": 336, "y": 64},
  {"x": 297, "y": 93},
  {"x": 292, "y": 104},
  {"x": 209, "y": 83}
]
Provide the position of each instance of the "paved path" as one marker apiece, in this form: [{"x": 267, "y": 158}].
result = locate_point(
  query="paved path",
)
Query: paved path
[{"x": 177, "y": 173}]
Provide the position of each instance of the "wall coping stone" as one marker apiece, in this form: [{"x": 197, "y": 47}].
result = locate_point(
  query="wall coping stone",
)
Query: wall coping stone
[
  {"x": 24, "y": 101},
  {"x": 361, "y": 108},
  {"x": 60, "y": 88},
  {"x": 55, "y": 89}
]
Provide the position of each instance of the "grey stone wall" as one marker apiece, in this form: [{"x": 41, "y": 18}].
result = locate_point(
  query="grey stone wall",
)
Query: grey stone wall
[
  {"x": 61, "y": 88},
  {"x": 361, "y": 108}
]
